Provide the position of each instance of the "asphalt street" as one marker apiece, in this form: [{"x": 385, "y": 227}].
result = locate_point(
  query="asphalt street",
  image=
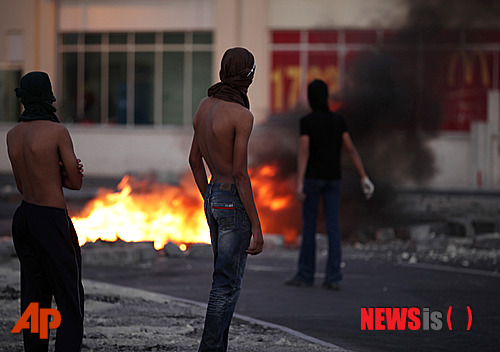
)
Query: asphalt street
[
  {"x": 335, "y": 316},
  {"x": 332, "y": 316}
]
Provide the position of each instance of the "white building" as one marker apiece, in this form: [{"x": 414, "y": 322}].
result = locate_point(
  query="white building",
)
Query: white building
[{"x": 128, "y": 75}]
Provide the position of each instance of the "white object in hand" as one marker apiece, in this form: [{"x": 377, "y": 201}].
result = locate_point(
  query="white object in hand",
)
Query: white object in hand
[{"x": 368, "y": 187}]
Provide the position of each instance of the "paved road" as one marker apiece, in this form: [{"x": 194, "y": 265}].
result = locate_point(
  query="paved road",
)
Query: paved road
[
  {"x": 332, "y": 316},
  {"x": 335, "y": 316}
]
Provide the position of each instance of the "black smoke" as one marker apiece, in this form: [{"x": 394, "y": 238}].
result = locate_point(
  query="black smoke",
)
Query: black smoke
[
  {"x": 433, "y": 14},
  {"x": 391, "y": 113}
]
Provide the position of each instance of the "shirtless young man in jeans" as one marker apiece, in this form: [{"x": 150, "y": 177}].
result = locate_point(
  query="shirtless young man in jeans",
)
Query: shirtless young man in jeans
[
  {"x": 43, "y": 161},
  {"x": 222, "y": 127}
]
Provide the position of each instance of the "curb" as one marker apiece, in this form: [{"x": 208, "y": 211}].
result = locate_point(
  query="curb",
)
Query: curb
[
  {"x": 160, "y": 297},
  {"x": 10, "y": 277}
]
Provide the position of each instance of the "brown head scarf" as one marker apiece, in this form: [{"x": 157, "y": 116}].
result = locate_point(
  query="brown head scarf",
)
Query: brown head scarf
[
  {"x": 236, "y": 75},
  {"x": 35, "y": 93}
]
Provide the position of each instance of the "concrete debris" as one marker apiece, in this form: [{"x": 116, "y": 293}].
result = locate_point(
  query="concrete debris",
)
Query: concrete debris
[
  {"x": 172, "y": 250},
  {"x": 200, "y": 250},
  {"x": 451, "y": 252},
  {"x": 273, "y": 241},
  {"x": 385, "y": 234},
  {"x": 487, "y": 241},
  {"x": 118, "y": 253}
]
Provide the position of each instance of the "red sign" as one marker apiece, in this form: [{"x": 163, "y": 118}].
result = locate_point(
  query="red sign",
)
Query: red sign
[{"x": 457, "y": 73}]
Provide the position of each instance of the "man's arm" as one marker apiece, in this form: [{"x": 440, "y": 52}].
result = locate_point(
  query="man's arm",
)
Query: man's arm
[
  {"x": 71, "y": 169},
  {"x": 19, "y": 184},
  {"x": 302, "y": 158},
  {"x": 352, "y": 152},
  {"x": 243, "y": 128},
  {"x": 366, "y": 184},
  {"x": 197, "y": 167}
]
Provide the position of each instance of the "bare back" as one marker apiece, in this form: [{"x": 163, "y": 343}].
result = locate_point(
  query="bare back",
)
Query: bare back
[
  {"x": 219, "y": 125},
  {"x": 36, "y": 149}
]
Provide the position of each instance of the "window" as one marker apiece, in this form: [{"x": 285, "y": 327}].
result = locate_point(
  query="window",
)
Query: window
[
  {"x": 135, "y": 79},
  {"x": 9, "y": 104}
]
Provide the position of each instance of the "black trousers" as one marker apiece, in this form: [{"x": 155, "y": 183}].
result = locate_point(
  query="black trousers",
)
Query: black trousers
[{"x": 47, "y": 247}]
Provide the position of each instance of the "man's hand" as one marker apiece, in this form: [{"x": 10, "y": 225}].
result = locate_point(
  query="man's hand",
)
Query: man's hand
[
  {"x": 368, "y": 187},
  {"x": 256, "y": 244},
  {"x": 79, "y": 167}
]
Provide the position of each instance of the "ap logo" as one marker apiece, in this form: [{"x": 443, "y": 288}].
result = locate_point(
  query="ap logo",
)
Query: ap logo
[{"x": 38, "y": 320}]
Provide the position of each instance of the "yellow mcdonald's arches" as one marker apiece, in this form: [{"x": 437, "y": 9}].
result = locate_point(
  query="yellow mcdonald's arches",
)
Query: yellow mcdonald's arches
[{"x": 468, "y": 60}]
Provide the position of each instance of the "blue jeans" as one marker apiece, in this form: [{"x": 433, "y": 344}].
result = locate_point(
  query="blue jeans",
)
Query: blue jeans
[
  {"x": 329, "y": 190},
  {"x": 230, "y": 232}
]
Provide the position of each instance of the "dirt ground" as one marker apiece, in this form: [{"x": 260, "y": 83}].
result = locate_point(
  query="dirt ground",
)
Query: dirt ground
[{"x": 130, "y": 320}]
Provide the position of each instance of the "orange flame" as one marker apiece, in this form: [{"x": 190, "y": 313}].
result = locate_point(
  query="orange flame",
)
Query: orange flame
[
  {"x": 143, "y": 210},
  {"x": 275, "y": 200}
]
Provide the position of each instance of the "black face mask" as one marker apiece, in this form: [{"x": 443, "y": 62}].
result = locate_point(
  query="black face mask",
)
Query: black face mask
[
  {"x": 236, "y": 75},
  {"x": 35, "y": 93},
  {"x": 317, "y": 92}
]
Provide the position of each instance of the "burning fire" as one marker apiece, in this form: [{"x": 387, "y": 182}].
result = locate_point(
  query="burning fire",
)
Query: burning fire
[
  {"x": 275, "y": 200},
  {"x": 145, "y": 210}
]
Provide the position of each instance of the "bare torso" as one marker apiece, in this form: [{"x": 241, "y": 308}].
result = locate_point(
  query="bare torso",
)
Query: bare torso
[
  {"x": 215, "y": 124},
  {"x": 35, "y": 150},
  {"x": 221, "y": 133}
]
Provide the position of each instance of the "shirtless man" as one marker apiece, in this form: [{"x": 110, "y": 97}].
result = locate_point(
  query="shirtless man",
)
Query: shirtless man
[
  {"x": 43, "y": 161},
  {"x": 222, "y": 127}
]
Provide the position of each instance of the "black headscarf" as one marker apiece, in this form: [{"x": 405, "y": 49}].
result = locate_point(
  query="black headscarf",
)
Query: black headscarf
[
  {"x": 236, "y": 75},
  {"x": 317, "y": 92},
  {"x": 35, "y": 93}
]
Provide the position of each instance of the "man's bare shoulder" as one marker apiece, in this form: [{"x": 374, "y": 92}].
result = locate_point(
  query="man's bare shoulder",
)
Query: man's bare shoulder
[
  {"x": 59, "y": 128},
  {"x": 203, "y": 109},
  {"x": 242, "y": 116},
  {"x": 230, "y": 111},
  {"x": 12, "y": 132},
  {"x": 238, "y": 113},
  {"x": 42, "y": 128},
  {"x": 39, "y": 124},
  {"x": 205, "y": 105},
  {"x": 51, "y": 127}
]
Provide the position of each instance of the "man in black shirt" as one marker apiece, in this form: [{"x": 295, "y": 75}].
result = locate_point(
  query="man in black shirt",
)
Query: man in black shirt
[{"x": 322, "y": 136}]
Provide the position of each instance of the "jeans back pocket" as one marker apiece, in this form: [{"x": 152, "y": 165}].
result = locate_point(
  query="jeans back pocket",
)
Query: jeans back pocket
[{"x": 225, "y": 214}]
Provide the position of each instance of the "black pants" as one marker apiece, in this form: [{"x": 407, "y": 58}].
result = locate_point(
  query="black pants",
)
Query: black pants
[{"x": 47, "y": 247}]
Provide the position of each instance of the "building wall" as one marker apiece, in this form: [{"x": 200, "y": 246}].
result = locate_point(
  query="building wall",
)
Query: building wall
[
  {"x": 452, "y": 159},
  {"x": 116, "y": 152},
  {"x": 130, "y": 15},
  {"x": 317, "y": 14},
  {"x": 34, "y": 22},
  {"x": 112, "y": 151}
]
